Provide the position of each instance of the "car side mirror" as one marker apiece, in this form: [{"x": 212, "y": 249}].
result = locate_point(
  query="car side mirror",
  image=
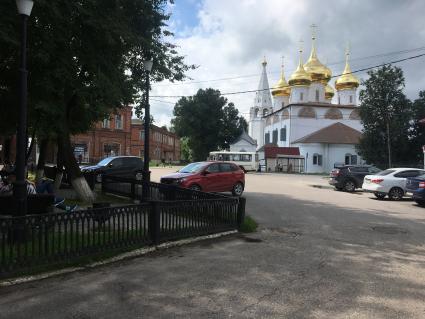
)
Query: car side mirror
[
  {"x": 110, "y": 165},
  {"x": 204, "y": 173}
]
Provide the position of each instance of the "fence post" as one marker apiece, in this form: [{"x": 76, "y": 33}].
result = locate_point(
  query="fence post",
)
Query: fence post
[
  {"x": 241, "y": 211},
  {"x": 154, "y": 222}
]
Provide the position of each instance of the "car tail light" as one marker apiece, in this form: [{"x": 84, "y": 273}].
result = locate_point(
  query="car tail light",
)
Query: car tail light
[
  {"x": 377, "y": 180},
  {"x": 421, "y": 184},
  {"x": 335, "y": 172}
]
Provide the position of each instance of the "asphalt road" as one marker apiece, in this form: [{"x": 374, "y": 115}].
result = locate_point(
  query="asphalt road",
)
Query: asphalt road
[{"x": 318, "y": 254}]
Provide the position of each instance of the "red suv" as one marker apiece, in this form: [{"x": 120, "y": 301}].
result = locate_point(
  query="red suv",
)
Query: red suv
[{"x": 209, "y": 177}]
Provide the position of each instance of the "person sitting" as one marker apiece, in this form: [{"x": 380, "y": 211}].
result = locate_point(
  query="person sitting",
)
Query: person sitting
[{"x": 6, "y": 189}]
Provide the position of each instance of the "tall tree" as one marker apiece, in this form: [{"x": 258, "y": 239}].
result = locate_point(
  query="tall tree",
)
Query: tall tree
[
  {"x": 385, "y": 114},
  {"x": 207, "y": 121},
  {"x": 418, "y": 127},
  {"x": 85, "y": 60}
]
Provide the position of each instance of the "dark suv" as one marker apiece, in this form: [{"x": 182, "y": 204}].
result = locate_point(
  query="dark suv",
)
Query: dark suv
[
  {"x": 124, "y": 166},
  {"x": 350, "y": 177}
]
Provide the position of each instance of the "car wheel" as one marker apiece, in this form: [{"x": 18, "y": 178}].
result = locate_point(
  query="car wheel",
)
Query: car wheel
[
  {"x": 380, "y": 195},
  {"x": 396, "y": 193},
  {"x": 99, "y": 178},
  {"x": 138, "y": 176},
  {"x": 420, "y": 202},
  {"x": 195, "y": 187},
  {"x": 237, "y": 189},
  {"x": 338, "y": 189},
  {"x": 349, "y": 186}
]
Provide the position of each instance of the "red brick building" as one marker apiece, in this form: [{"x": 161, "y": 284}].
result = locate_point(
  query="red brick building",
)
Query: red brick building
[
  {"x": 122, "y": 135},
  {"x": 163, "y": 145}
]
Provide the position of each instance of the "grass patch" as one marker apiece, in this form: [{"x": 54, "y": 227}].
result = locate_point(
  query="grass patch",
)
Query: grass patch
[{"x": 249, "y": 225}]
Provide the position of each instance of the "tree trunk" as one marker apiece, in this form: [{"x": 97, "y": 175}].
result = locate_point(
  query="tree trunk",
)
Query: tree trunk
[
  {"x": 41, "y": 160},
  {"x": 59, "y": 168},
  {"x": 77, "y": 180}
]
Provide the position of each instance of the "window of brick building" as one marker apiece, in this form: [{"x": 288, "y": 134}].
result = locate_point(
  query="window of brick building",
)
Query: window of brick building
[
  {"x": 106, "y": 123},
  {"x": 142, "y": 135},
  {"x": 118, "y": 122}
]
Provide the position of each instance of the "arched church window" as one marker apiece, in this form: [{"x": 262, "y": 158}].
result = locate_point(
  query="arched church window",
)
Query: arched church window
[
  {"x": 354, "y": 115},
  {"x": 339, "y": 100},
  {"x": 283, "y": 104},
  {"x": 317, "y": 95},
  {"x": 265, "y": 112},
  {"x": 256, "y": 112},
  {"x": 351, "y": 99},
  {"x": 350, "y": 159},
  {"x": 317, "y": 159},
  {"x": 307, "y": 111},
  {"x": 301, "y": 96},
  {"x": 333, "y": 114}
]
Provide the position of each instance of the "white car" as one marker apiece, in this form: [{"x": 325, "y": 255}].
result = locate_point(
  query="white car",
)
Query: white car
[{"x": 391, "y": 182}]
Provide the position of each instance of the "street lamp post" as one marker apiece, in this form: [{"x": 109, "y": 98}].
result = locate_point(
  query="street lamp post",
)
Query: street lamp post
[
  {"x": 146, "y": 173},
  {"x": 19, "y": 187}
]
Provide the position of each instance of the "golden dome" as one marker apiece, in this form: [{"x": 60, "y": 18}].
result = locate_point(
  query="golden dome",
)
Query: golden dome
[
  {"x": 281, "y": 88},
  {"x": 329, "y": 92},
  {"x": 300, "y": 77},
  {"x": 347, "y": 80},
  {"x": 318, "y": 71}
]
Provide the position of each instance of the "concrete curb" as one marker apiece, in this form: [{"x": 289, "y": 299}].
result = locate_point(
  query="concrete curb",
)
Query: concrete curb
[{"x": 123, "y": 256}]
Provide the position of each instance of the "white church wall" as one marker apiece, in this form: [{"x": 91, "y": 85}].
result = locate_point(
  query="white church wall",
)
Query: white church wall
[
  {"x": 347, "y": 97},
  {"x": 320, "y": 88},
  {"x": 256, "y": 130},
  {"x": 331, "y": 154},
  {"x": 299, "y": 94}
]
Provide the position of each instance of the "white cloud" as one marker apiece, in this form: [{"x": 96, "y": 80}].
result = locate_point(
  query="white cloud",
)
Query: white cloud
[{"x": 232, "y": 37}]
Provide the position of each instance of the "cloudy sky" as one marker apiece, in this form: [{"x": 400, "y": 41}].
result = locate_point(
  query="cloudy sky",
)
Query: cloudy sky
[{"x": 227, "y": 39}]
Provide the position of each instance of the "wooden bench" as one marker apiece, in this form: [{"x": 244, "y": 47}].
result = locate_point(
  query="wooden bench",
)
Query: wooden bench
[{"x": 37, "y": 204}]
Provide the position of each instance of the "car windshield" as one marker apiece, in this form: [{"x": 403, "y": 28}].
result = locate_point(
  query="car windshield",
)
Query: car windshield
[
  {"x": 192, "y": 168},
  {"x": 105, "y": 161},
  {"x": 386, "y": 172}
]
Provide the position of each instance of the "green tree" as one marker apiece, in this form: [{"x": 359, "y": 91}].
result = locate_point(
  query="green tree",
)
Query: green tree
[
  {"x": 385, "y": 114},
  {"x": 232, "y": 126},
  {"x": 85, "y": 60},
  {"x": 418, "y": 127},
  {"x": 207, "y": 121}
]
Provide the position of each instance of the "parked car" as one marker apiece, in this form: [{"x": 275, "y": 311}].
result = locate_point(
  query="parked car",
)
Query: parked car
[
  {"x": 391, "y": 182},
  {"x": 209, "y": 177},
  {"x": 415, "y": 186},
  {"x": 123, "y": 166},
  {"x": 350, "y": 177}
]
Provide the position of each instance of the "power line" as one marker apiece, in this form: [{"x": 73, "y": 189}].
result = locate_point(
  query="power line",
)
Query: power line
[
  {"x": 273, "y": 72},
  {"x": 334, "y": 76}
]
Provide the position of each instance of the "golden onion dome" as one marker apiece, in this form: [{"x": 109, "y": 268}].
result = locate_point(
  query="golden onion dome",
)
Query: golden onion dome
[
  {"x": 329, "y": 92},
  {"x": 318, "y": 71},
  {"x": 328, "y": 75},
  {"x": 281, "y": 88},
  {"x": 347, "y": 80},
  {"x": 300, "y": 77}
]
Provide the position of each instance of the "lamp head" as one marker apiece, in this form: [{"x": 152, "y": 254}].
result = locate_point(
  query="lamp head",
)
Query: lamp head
[
  {"x": 24, "y": 6},
  {"x": 148, "y": 65}
]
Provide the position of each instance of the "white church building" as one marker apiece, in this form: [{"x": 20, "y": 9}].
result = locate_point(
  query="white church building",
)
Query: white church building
[{"x": 299, "y": 113}]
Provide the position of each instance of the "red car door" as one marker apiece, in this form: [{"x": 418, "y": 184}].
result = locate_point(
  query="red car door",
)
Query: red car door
[
  {"x": 210, "y": 181},
  {"x": 226, "y": 177}
]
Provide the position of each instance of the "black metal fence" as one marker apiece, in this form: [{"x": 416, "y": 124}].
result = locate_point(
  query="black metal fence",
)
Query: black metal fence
[
  {"x": 35, "y": 240},
  {"x": 133, "y": 188}
]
